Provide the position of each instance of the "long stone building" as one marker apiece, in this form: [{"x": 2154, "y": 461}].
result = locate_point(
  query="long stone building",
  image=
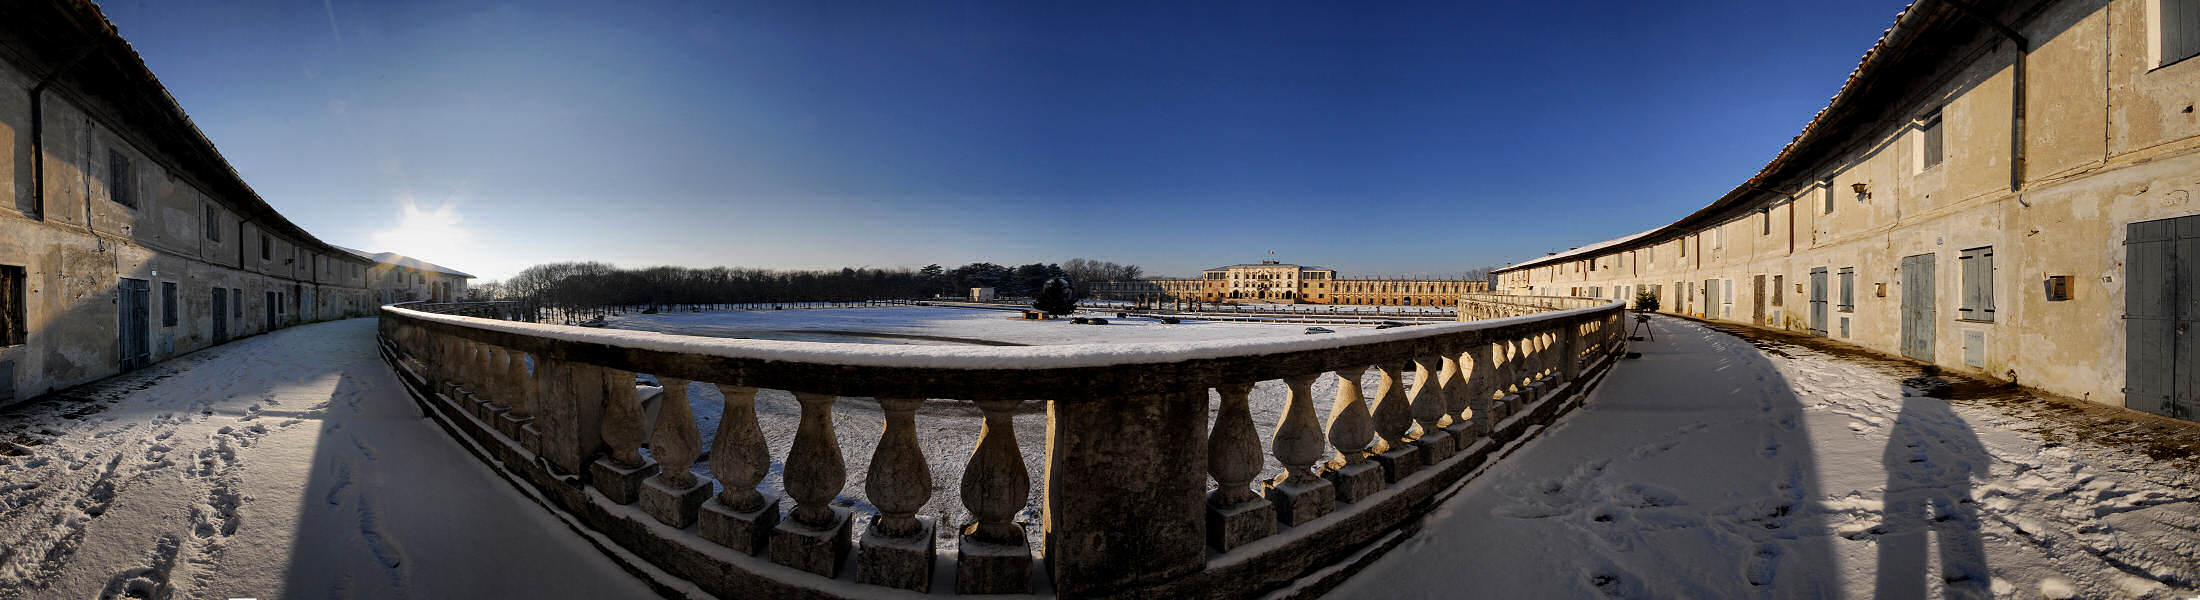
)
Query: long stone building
[
  {"x": 1272, "y": 282},
  {"x": 2005, "y": 189},
  {"x": 125, "y": 237},
  {"x": 399, "y": 278}
]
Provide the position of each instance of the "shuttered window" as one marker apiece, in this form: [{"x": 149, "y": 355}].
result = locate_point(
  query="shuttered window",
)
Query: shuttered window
[
  {"x": 1978, "y": 284},
  {"x": 237, "y": 309},
  {"x": 1829, "y": 196},
  {"x": 1777, "y": 285},
  {"x": 2179, "y": 24},
  {"x": 213, "y": 223},
  {"x": 1929, "y": 131},
  {"x": 121, "y": 185},
  {"x": 168, "y": 304},
  {"x": 1848, "y": 289}
]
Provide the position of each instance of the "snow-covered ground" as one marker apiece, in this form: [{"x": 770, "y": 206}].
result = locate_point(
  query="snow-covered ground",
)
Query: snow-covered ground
[
  {"x": 1713, "y": 469},
  {"x": 940, "y": 325},
  {"x": 289, "y": 465}
]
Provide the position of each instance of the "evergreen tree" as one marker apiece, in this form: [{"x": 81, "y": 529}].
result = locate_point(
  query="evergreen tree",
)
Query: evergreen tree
[{"x": 1054, "y": 299}]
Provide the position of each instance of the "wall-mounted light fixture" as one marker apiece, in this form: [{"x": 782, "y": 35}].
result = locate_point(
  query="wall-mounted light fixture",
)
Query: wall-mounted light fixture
[{"x": 1863, "y": 190}]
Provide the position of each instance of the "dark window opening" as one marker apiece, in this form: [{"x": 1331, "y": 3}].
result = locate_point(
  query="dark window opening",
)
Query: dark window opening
[
  {"x": 14, "y": 327},
  {"x": 1931, "y": 147},
  {"x": 121, "y": 186},
  {"x": 168, "y": 304}
]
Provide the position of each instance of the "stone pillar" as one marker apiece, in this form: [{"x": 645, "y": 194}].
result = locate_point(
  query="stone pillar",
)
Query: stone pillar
[
  {"x": 570, "y": 420},
  {"x": 1125, "y": 489}
]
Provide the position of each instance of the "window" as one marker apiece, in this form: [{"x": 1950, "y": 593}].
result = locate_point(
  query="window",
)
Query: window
[
  {"x": 1718, "y": 237},
  {"x": 213, "y": 223},
  {"x": 168, "y": 304},
  {"x": 1978, "y": 284},
  {"x": 1929, "y": 148},
  {"x": 1766, "y": 215},
  {"x": 1848, "y": 289},
  {"x": 2177, "y": 24},
  {"x": 267, "y": 251},
  {"x": 14, "y": 326},
  {"x": 236, "y": 309},
  {"x": 121, "y": 187},
  {"x": 1829, "y": 196},
  {"x": 1777, "y": 282}
]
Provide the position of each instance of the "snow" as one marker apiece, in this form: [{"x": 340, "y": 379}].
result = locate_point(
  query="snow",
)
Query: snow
[
  {"x": 1712, "y": 469},
  {"x": 925, "y": 325},
  {"x": 285, "y": 465},
  {"x": 973, "y": 357}
]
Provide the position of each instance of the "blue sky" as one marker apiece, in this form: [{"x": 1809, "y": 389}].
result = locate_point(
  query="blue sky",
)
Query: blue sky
[{"x": 1394, "y": 139}]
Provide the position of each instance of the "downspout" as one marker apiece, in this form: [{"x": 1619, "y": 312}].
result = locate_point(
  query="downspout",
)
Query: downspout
[{"x": 38, "y": 135}]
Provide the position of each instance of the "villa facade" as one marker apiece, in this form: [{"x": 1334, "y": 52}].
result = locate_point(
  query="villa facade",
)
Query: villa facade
[
  {"x": 2005, "y": 189},
  {"x": 1272, "y": 282}
]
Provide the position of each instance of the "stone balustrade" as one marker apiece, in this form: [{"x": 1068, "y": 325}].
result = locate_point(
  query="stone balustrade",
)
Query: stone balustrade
[
  {"x": 1478, "y": 307},
  {"x": 1151, "y": 484}
]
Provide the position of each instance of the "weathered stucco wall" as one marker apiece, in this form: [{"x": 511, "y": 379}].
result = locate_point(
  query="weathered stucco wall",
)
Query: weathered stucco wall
[
  {"x": 2107, "y": 140},
  {"x": 77, "y": 244}
]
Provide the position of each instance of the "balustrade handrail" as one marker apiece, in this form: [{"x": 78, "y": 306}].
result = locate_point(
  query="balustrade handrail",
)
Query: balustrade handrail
[{"x": 1061, "y": 372}]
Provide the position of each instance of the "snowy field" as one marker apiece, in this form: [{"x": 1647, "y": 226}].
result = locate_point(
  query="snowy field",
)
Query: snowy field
[
  {"x": 1713, "y": 469},
  {"x": 941, "y": 325},
  {"x": 287, "y": 465}
]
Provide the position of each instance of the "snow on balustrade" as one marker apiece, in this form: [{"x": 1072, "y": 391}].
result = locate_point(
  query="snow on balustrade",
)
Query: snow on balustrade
[{"x": 1139, "y": 489}]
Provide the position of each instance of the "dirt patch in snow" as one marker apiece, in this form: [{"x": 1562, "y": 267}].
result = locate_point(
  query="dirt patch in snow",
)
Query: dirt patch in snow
[{"x": 2056, "y": 419}]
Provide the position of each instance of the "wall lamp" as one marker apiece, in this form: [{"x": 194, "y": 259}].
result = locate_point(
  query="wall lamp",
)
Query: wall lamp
[{"x": 1863, "y": 190}]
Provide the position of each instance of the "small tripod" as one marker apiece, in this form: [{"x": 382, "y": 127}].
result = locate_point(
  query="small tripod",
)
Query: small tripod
[{"x": 1642, "y": 327}]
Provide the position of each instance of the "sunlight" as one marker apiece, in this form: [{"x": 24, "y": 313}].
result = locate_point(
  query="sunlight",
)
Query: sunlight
[{"x": 432, "y": 235}]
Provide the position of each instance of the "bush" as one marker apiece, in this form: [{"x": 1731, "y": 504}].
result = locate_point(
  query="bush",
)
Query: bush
[{"x": 1646, "y": 301}]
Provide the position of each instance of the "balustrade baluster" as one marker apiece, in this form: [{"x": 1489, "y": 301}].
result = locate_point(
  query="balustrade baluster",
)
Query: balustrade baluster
[
  {"x": 993, "y": 555},
  {"x": 1351, "y": 431},
  {"x": 1299, "y": 494},
  {"x": 742, "y": 517},
  {"x": 619, "y": 475},
  {"x": 1236, "y": 514},
  {"x": 814, "y": 537},
  {"x": 1393, "y": 419},
  {"x": 1458, "y": 398},
  {"x": 675, "y": 496},
  {"x": 1429, "y": 407},
  {"x": 897, "y": 550}
]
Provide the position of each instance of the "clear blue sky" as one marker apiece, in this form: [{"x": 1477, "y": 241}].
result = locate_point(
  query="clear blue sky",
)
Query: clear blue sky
[{"x": 1399, "y": 139}]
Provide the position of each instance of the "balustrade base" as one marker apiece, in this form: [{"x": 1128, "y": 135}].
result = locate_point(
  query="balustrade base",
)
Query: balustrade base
[
  {"x": 510, "y": 425},
  {"x": 674, "y": 506},
  {"x": 621, "y": 484},
  {"x": 529, "y": 437},
  {"x": 1355, "y": 481},
  {"x": 902, "y": 562},
  {"x": 1233, "y": 526},
  {"x": 989, "y": 568},
  {"x": 1297, "y": 503},
  {"x": 815, "y": 548},
  {"x": 1462, "y": 432},
  {"x": 744, "y": 532},
  {"x": 1435, "y": 446},
  {"x": 1399, "y": 463}
]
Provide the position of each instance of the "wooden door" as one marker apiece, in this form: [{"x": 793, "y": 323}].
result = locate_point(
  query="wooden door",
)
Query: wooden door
[
  {"x": 221, "y": 315},
  {"x": 2161, "y": 306},
  {"x": 1818, "y": 301},
  {"x": 133, "y": 298},
  {"x": 1918, "y": 309},
  {"x": 1757, "y": 301}
]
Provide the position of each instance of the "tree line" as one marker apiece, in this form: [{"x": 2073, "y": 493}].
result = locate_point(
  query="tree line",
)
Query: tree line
[{"x": 582, "y": 285}]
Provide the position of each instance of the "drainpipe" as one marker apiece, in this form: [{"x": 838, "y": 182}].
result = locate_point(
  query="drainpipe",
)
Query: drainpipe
[
  {"x": 38, "y": 135},
  {"x": 2016, "y": 85}
]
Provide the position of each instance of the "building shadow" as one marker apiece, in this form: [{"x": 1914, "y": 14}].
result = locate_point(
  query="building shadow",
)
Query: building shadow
[{"x": 1931, "y": 456}]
